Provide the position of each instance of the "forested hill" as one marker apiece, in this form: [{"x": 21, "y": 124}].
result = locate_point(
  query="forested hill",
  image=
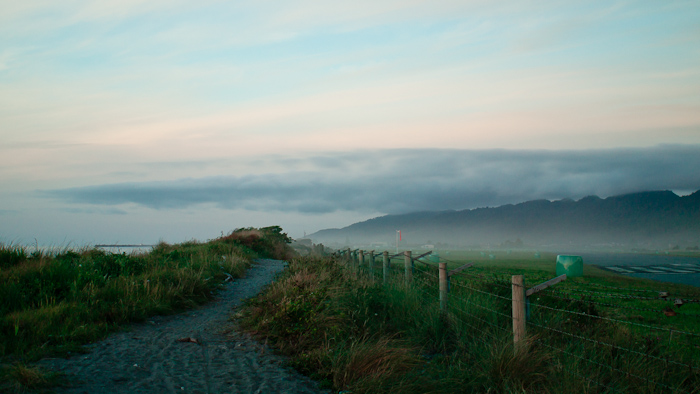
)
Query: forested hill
[{"x": 648, "y": 219}]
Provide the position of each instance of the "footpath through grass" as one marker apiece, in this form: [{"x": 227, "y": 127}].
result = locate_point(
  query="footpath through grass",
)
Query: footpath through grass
[
  {"x": 52, "y": 304},
  {"x": 357, "y": 334}
]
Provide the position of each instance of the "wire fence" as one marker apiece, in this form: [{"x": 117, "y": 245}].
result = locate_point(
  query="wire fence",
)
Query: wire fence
[{"x": 614, "y": 338}]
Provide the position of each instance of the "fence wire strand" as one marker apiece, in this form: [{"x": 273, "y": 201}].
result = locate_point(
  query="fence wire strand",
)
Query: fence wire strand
[
  {"x": 481, "y": 307},
  {"x": 597, "y": 294},
  {"x": 480, "y": 319},
  {"x": 461, "y": 284},
  {"x": 616, "y": 320},
  {"x": 610, "y": 367},
  {"x": 632, "y": 351}
]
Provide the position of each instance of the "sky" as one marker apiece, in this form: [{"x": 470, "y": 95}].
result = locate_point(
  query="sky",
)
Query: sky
[{"x": 137, "y": 121}]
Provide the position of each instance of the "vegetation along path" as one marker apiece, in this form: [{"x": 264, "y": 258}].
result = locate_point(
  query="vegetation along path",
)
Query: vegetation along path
[{"x": 199, "y": 351}]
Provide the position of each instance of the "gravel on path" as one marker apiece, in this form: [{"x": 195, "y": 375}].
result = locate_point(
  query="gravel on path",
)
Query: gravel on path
[{"x": 199, "y": 351}]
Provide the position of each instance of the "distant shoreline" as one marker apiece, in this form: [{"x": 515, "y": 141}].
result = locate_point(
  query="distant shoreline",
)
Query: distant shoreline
[{"x": 123, "y": 246}]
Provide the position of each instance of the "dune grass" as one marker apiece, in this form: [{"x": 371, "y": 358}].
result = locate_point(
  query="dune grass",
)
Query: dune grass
[
  {"x": 356, "y": 334},
  {"x": 20, "y": 378},
  {"x": 52, "y": 304}
]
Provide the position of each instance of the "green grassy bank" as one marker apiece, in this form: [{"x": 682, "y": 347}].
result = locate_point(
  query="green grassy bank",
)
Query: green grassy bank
[
  {"x": 53, "y": 303},
  {"x": 357, "y": 334}
]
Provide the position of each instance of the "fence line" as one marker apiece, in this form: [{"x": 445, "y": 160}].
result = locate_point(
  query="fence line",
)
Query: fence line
[{"x": 473, "y": 290}]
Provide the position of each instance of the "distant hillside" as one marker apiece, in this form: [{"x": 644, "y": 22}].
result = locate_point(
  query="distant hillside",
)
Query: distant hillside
[{"x": 647, "y": 219}]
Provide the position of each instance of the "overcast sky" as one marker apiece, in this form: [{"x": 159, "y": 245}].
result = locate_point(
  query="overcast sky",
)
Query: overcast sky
[{"x": 134, "y": 121}]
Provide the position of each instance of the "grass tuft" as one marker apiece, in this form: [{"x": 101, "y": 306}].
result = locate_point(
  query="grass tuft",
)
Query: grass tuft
[
  {"x": 517, "y": 369},
  {"x": 21, "y": 378},
  {"x": 11, "y": 255},
  {"x": 363, "y": 361}
]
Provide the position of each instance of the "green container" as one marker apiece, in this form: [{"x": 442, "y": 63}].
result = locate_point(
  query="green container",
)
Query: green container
[{"x": 572, "y": 266}]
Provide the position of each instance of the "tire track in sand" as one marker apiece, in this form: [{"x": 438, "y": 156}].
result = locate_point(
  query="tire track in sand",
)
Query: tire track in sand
[{"x": 150, "y": 359}]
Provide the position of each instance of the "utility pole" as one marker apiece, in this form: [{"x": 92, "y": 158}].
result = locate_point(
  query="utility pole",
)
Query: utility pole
[{"x": 398, "y": 233}]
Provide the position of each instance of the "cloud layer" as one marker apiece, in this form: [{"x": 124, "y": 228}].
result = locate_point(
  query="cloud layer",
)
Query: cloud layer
[{"x": 398, "y": 181}]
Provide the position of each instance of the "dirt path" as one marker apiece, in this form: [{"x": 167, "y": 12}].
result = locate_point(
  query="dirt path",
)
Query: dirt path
[{"x": 151, "y": 359}]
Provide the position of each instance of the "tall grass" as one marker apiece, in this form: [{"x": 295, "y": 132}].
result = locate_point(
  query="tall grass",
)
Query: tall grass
[
  {"x": 11, "y": 255},
  {"x": 54, "y": 303},
  {"x": 357, "y": 334}
]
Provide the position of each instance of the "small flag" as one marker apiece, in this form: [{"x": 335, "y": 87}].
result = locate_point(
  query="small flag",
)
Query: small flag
[{"x": 399, "y": 235}]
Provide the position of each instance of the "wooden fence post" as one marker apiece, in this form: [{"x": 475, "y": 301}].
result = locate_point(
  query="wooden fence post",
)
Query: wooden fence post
[
  {"x": 349, "y": 257},
  {"x": 443, "y": 287},
  {"x": 518, "y": 310},
  {"x": 360, "y": 258},
  {"x": 408, "y": 265},
  {"x": 385, "y": 266},
  {"x": 370, "y": 262}
]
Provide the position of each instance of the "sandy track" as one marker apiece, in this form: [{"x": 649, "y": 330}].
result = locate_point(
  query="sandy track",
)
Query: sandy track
[{"x": 150, "y": 359}]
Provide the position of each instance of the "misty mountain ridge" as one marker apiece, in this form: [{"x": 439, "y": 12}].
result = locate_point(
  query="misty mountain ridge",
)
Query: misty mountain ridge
[{"x": 652, "y": 219}]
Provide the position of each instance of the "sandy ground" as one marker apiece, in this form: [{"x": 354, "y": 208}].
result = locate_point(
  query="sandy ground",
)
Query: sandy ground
[{"x": 152, "y": 358}]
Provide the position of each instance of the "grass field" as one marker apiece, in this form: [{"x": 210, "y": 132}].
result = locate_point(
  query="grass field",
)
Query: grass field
[
  {"x": 601, "y": 333},
  {"x": 53, "y": 303}
]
